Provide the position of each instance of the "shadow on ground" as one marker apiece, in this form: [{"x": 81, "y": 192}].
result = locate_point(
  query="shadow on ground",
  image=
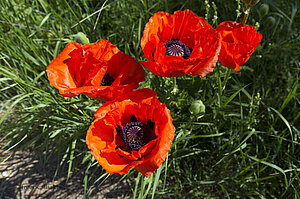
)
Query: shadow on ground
[{"x": 24, "y": 177}]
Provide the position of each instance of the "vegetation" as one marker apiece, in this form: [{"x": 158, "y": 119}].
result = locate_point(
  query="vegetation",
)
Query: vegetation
[{"x": 245, "y": 144}]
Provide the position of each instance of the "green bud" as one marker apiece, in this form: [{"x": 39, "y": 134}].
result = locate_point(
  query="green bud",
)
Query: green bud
[
  {"x": 81, "y": 38},
  {"x": 250, "y": 2},
  {"x": 263, "y": 9},
  {"x": 197, "y": 107},
  {"x": 270, "y": 22},
  {"x": 5, "y": 27}
]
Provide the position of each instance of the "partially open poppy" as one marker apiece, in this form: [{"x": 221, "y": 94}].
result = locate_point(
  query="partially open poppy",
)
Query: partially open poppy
[
  {"x": 99, "y": 70},
  {"x": 179, "y": 44},
  {"x": 133, "y": 130},
  {"x": 238, "y": 43}
]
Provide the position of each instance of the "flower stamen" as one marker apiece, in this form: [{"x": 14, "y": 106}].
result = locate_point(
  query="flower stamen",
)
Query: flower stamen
[
  {"x": 175, "y": 50},
  {"x": 136, "y": 134},
  {"x": 174, "y": 47},
  {"x": 133, "y": 135}
]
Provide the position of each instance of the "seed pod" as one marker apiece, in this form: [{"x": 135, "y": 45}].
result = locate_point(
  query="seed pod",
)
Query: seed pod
[
  {"x": 197, "y": 107},
  {"x": 270, "y": 22},
  {"x": 250, "y": 2},
  {"x": 80, "y": 37},
  {"x": 263, "y": 9},
  {"x": 5, "y": 27}
]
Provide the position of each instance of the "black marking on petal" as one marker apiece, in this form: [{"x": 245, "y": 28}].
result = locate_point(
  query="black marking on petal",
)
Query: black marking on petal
[
  {"x": 119, "y": 130},
  {"x": 150, "y": 124},
  {"x": 107, "y": 80},
  {"x": 133, "y": 118}
]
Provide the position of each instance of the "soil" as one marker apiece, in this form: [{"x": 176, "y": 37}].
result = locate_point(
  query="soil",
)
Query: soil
[{"x": 22, "y": 176}]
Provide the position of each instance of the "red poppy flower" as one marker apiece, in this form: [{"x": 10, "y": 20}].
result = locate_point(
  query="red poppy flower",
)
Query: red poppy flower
[
  {"x": 179, "y": 44},
  {"x": 133, "y": 130},
  {"x": 238, "y": 43},
  {"x": 98, "y": 70}
]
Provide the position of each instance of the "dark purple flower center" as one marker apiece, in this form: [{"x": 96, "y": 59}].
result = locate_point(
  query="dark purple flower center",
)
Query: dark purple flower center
[
  {"x": 133, "y": 135},
  {"x": 107, "y": 80},
  {"x": 136, "y": 134},
  {"x": 177, "y": 48}
]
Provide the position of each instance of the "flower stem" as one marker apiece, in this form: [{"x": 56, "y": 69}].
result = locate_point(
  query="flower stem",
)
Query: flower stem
[
  {"x": 174, "y": 82},
  {"x": 246, "y": 13},
  {"x": 174, "y": 85}
]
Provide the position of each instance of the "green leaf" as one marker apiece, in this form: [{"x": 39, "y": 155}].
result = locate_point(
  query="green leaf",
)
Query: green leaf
[
  {"x": 233, "y": 96},
  {"x": 289, "y": 97}
]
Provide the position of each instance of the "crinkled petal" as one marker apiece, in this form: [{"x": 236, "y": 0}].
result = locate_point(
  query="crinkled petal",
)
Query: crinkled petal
[
  {"x": 160, "y": 152},
  {"x": 58, "y": 72},
  {"x": 105, "y": 93},
  {"x": 238, "y": 43},
  {"x": 139, "y": 96}
]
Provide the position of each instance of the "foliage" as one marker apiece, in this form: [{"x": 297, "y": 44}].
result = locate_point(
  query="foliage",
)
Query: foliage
[{"x": 246, "y": 143}]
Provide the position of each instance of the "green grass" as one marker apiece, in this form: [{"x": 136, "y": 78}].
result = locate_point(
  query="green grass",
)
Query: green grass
[{"x": 246, "y": 144}]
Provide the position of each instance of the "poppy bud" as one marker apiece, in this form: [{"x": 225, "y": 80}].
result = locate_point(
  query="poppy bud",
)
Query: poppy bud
[
  {"x": 263, "y": 9},
  {"x": 197, "y": 107},
  {"x": 270, "y": 21},
  {"x": 5, "y": 28},
  {"x": 250, "y": 2},
  {"x": 81, "y": 38}
]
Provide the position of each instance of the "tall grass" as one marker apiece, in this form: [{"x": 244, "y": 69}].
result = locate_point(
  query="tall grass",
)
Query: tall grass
[{"x": 246, "y": 144}]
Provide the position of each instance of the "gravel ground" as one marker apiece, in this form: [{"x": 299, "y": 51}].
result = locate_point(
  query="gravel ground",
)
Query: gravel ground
[{"x": 22, "y": 176}]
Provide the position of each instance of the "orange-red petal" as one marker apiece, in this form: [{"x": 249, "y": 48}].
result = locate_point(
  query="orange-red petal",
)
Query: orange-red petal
[
  {"x": 160, "y": 152},
  {"x": 238, "y": 43},
  {"x": 58, "y": 69}
]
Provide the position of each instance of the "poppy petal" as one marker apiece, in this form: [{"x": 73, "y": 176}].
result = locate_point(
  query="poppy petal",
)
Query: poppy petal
[
  {"x": 159, "y": 154},
  {"x": 57, "y": 68},
  {"x": 238, "y": 43}
]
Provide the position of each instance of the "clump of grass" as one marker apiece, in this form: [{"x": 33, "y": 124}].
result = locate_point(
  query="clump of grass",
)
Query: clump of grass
[{"x": 246, "y": 144}]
